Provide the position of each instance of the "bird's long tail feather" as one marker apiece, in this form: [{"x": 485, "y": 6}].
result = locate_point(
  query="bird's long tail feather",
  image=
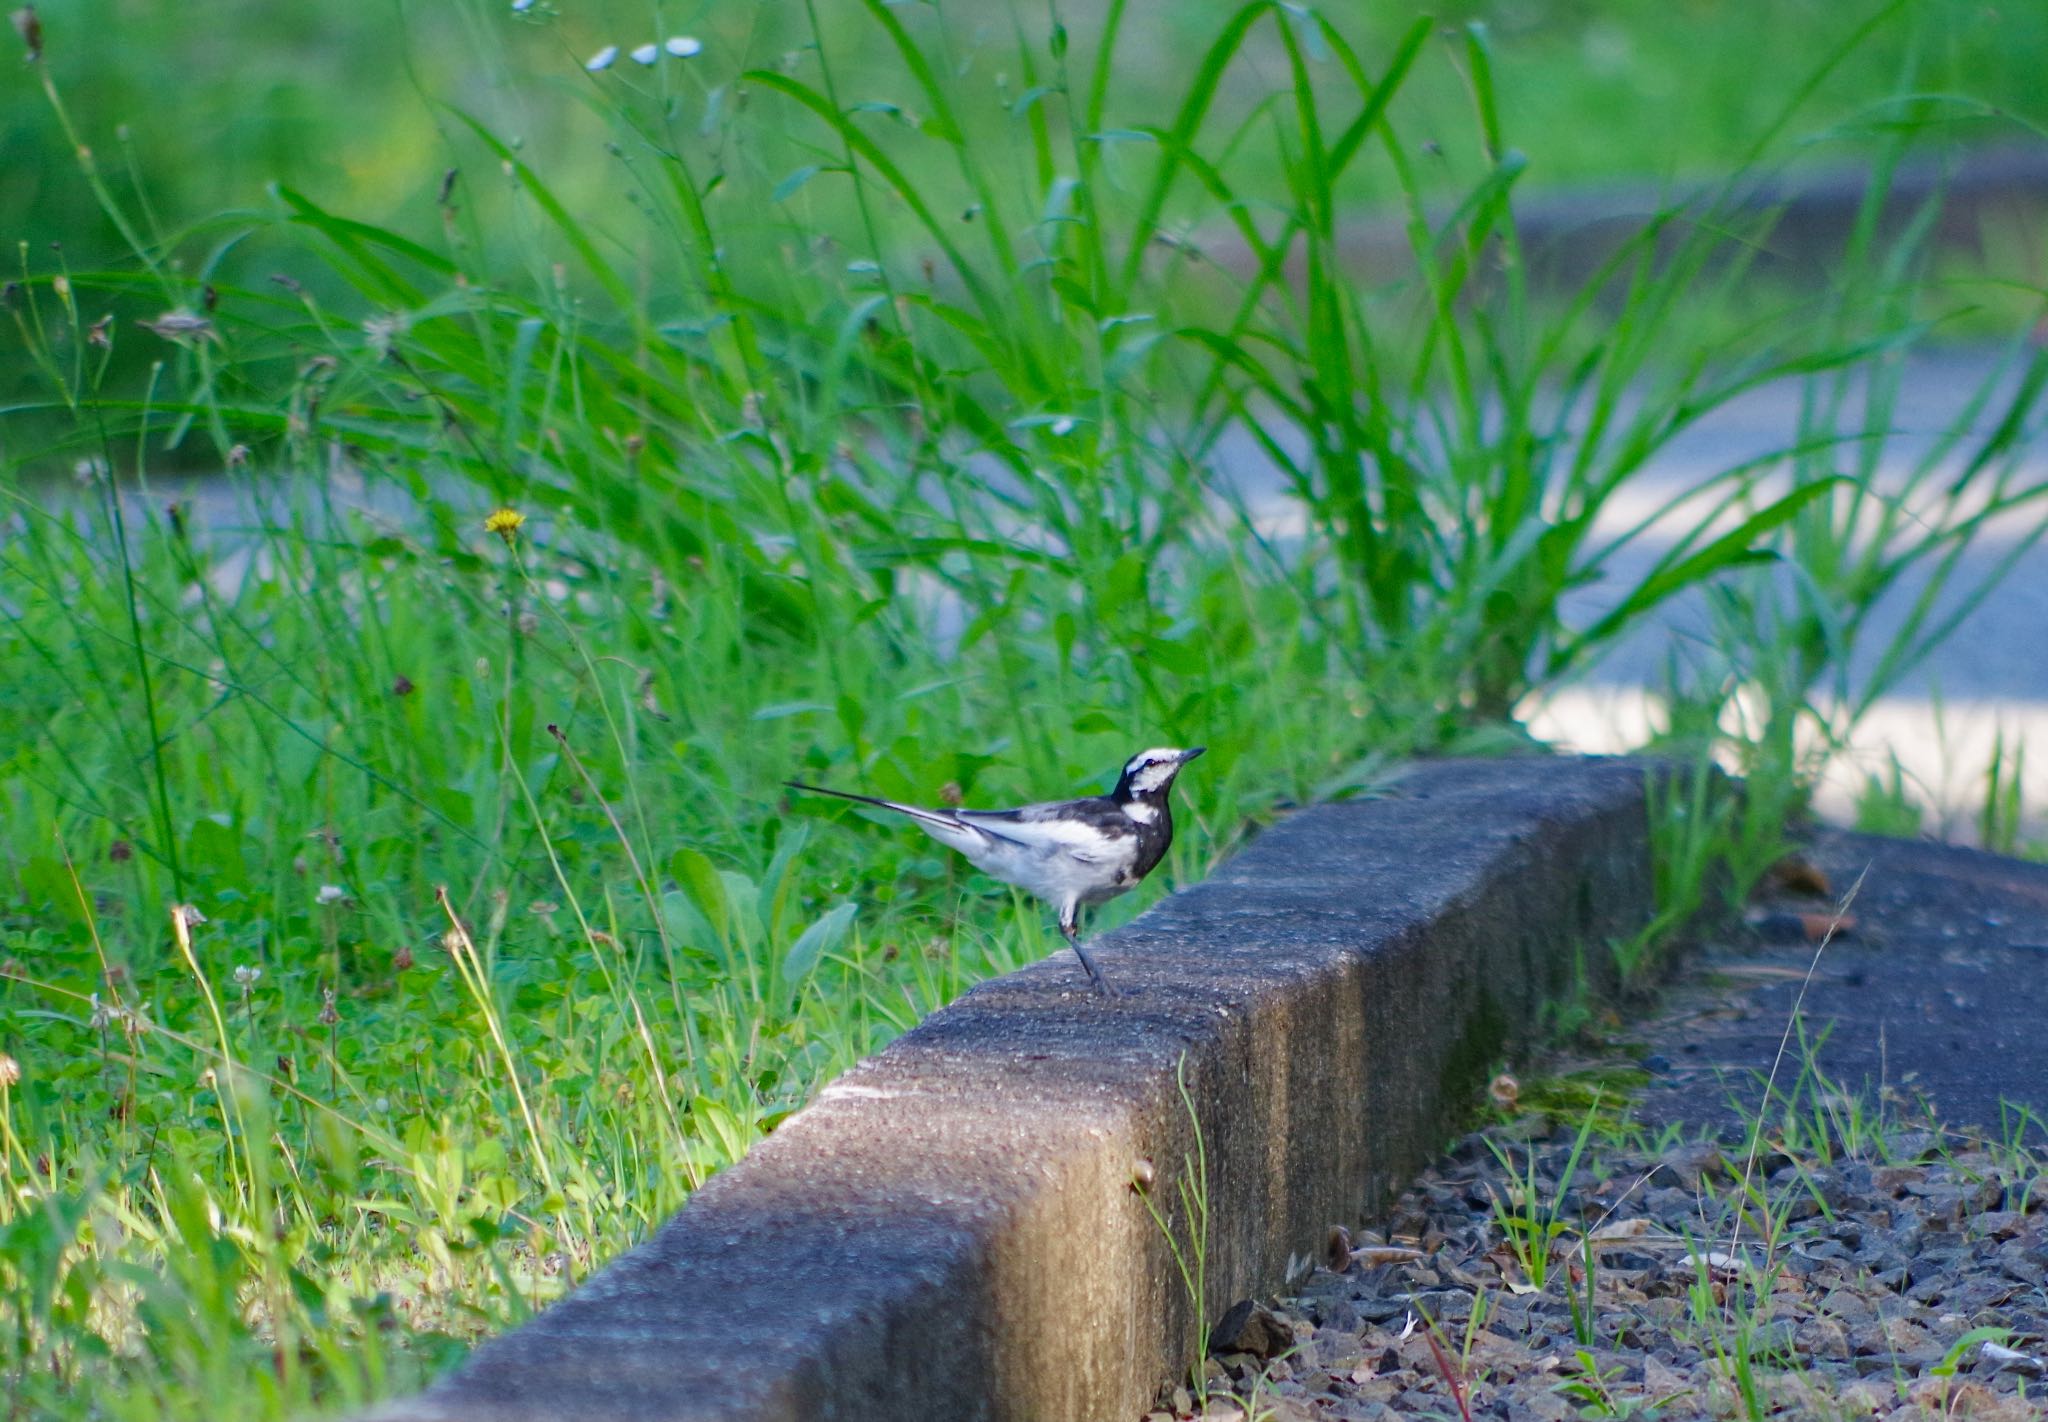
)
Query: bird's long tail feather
[{"x": 927, "y": 816}]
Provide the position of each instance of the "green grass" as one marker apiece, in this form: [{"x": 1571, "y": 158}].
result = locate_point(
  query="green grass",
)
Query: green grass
[
  {"x": 387, "y": 1108},
  {"x": 348, "y": 103},
  {"x": 876, "y": 444}
]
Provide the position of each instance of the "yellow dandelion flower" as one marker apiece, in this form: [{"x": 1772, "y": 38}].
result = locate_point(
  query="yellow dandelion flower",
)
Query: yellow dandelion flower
[{"x": 505, "y": 523}]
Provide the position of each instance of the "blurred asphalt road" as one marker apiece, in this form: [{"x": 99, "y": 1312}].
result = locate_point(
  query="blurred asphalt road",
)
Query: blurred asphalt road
[{"x": 1941, "y": 721}]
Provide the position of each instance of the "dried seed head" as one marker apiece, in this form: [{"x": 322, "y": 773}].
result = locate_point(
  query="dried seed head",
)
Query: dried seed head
[
  {"x": 950, "y": 793},
  {"x": 402, "y": 686},
  {"x": 649, "y": 701},
  {"x": 30, "y": 28},
  {"x": 120, "y": 851},
  {"x": 10, "y": 1071},
  {"x": 181, "y": 327},
  {"x": 328, "y": 1016},
  {"x": 187, "y": 914},
  {"x": 101, "y": 333},
  {"x": 401, "y": 959},
  {"x": 1505, "y": 1091},
  {"x": 381, "y": 333}
]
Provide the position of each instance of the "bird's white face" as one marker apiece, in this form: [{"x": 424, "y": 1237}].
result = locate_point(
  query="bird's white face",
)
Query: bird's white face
[{"x": 1150, "y": 771}]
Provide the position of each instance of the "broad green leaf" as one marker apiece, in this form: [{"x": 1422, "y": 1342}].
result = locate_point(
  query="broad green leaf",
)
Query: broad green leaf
[
  {"x": 705, "y": 889},
  {"x": 816, "y": 941}
]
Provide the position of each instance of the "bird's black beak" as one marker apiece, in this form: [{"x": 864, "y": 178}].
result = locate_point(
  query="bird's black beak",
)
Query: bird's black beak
[{"x": 1191, "y": 753}]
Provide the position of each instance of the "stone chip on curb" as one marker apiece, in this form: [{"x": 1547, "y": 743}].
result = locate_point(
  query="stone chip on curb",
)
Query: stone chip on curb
[{"x": 1331, "y": 1001}]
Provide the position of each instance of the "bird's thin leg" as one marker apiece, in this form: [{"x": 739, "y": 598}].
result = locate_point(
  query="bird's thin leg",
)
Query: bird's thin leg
[{"x": 1067, "y": 926}]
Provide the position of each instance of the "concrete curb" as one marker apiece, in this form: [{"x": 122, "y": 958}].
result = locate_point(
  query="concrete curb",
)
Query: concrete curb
[{"x": 953, "y": 1229}]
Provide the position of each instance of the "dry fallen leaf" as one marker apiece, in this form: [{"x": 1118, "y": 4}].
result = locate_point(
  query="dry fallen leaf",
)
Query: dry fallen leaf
[
  {"x": 1337, "y": 1249},
  {"x": 1619, "y": 1232},
  {"x": 1796, "y": 874},
  {"x": 1821, "y": 926},
  {"x": 1372, "y": 1256}
]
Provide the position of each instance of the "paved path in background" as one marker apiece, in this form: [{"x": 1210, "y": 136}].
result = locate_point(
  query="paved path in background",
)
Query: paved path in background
[
  {"x": 1936, "y": 997},
  {"x": 1942, "y": 722}
]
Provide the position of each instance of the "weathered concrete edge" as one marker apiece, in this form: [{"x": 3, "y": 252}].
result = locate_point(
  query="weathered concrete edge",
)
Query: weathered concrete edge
[{"x": 953, "y": 1228}]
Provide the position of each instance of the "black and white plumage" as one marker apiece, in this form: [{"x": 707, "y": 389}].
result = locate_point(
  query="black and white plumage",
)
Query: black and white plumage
[{"x": 1071, "y": 853}]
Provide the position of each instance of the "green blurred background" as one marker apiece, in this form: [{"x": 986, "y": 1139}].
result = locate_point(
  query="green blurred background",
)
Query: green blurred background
[
  {"x": 202, "y": 107},
  {"x": 193, "y": 114}
]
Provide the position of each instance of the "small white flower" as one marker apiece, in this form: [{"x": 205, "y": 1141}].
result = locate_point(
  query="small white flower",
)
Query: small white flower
[
  {"x": 189, "y": 913},
  {"x": 683, "y": 46},
  {"x": 646, "y": 53},
  {"x": 330, "y": 894},
  {"x": 381, "y": 1105},
  {"x": 520, "y": 7},
  {"x": 101, "y": 1014},
  {"x": 1064, "y": 425},
  {"x": 246, "y": 976},
  {"x": 602, "y": 59}
]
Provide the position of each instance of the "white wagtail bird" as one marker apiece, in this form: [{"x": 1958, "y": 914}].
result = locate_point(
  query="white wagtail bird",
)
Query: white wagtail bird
[{"x": 1067, "y": 852}]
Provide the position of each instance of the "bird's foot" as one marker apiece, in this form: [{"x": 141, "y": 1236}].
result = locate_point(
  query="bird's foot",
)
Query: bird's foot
[{"x": 1101, "y": 983}]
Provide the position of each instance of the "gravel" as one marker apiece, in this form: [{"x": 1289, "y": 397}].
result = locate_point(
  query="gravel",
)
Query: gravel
[{"x": 1909, "y": 1282}]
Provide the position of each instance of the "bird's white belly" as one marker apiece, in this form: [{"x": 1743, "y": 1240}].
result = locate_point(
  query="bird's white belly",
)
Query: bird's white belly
[{"x": 1051, "y": 874}]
